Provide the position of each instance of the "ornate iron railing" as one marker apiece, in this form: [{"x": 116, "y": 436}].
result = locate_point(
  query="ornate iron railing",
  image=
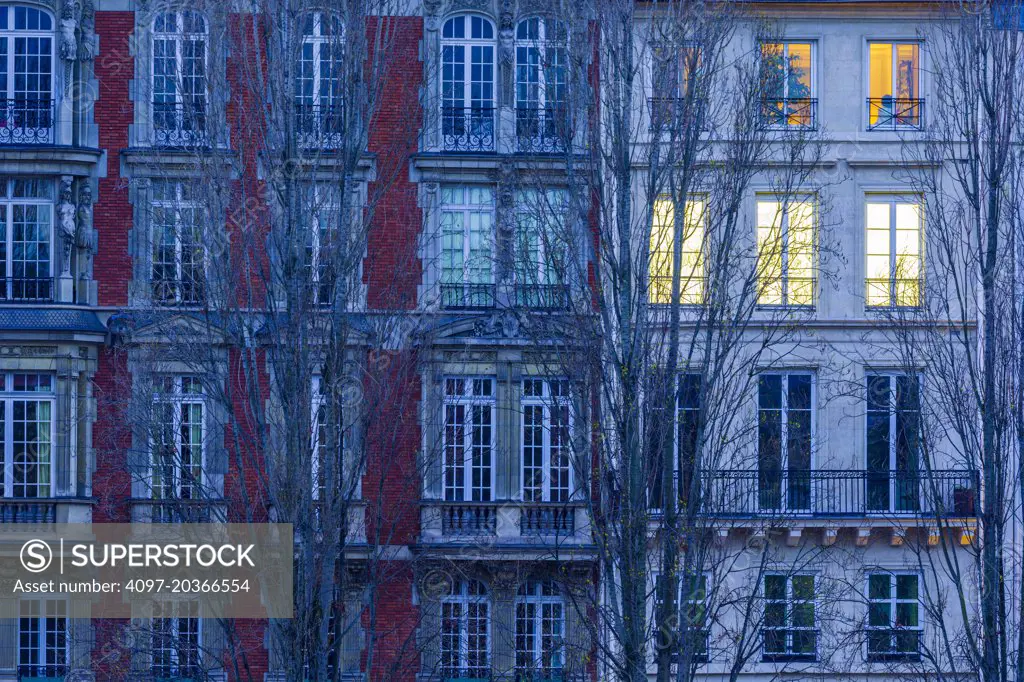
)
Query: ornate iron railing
[
  {"x": 180, "y": 124},
  {"x": 467, "y": 296},
  {"x": 27, "y": 121},
  {"x": 799, "y": 112},
  {"x": 789, "y": 644},
  {"x": 541, "y": 296},
  {"x": 542, "y": 131},
  {"x": 27, "y": 290},
  {"x": 320, "y": 126},
  {"x": 179, "y": 511},
  {"x": 178, "y": 292},
  {"x": 893, "y": 644},
  {"x": 895, "y": 113},
  {"x": 467, "y": 129}
]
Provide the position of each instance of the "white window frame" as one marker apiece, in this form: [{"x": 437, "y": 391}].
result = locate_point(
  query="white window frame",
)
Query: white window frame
[
  {"x": 45, "y": 107},
  {"x": 324, "y": 202},
  {"x": 317, "y": 39},
  {"x": 546, "y": 212},
  {"x": 177, "y": 399},
  {"x": 469, "y": 400},
  {"x": 699, "y": 272},
  {"x": 535, "y": 598},
  {"x": 892, "y": 286},
  {"x": 893, "y": 603},
  {"x": 789, "y": 602},
  {"x": 462, "y": 598},
  {"x": 46, "y": 205},
  {"x": 922, "y": 69},
  {"x": 41, "y": 648},
  {"x": 784, "y": 435},
  {"x": 542, "y": 44},
  {"x": 547, "y": 402},
  {"x": 179, "y": 37},
  {"x": 174, "y": 648},
  {"x": 467, "y": 42},
  {"x": 813, "y": 78},
  {"x": 893, "y": 410},
  {"x": 9, "y": 397},
  {"x": 784, "y": 205},
  {"x": 178, "y": 206},
  {"x": 470, "y": 262}
]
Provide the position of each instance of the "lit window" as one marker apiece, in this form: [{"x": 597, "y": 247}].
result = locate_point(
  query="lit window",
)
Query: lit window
[
  {"x": 467, "y": 83},
  {"x": 465, "y": 632},
  {"x": 785, "y": 252},
  {"x": 894, "y": 86},
  {"x": 540, "y": 631},
  {"x": 178, "y": 266},
  {"x": 26, "y": 76},
  {"x": 893, "y": 252},
  {"x": 790, "y": 625},
  {"x": 26, "y": 239},
  {"x": 43, "y": 651},
  {"x": 179, "y": 78},
  {"x": 894, "y": 620},
  {"x": 467, "y": 246},
  {"x": 177, "y": 439},
  {"x": 691, "y": 270},
  {"x": 788, "y": 84},
  {"x": 785, "y": 439},
  {"x": 893, "y": 425}
]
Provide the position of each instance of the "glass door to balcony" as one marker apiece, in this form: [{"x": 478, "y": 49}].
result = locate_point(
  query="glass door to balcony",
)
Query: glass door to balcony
[
  {"x": 26, "y": 72},
  {"x": 893, "y": 413},
  {"x": 26, "y": 238},
  {"x": 784, "y": 442},
  {"x": 467, "y": 84}
]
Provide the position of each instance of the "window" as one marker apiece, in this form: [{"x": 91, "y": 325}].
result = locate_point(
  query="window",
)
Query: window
[
  {"x": 43, "y": 650},
  {"x": 894, "y": 269},
  {"x": 894, "y": 621},
  {"x": 467, "y": 84},
  {"x": 179, "y": 78},
  {"x": 540, "y": 252},
  {"x": 785, "y": 252},
  {"x": 785, "y": 433},
  {"x": 675, "y": 87},
  {"x": 468, "y": 439},
  {"x": 175, "y": 643},
  {"x": 26, "y": 74},
  {"x": 894, "y": 86},
  {"x": 540, "y": 631},
  {"x": 178, "y": 437},
  {"x": 687, "y": 440},
  {"x": 893, "y": 418},
  {"x": 467, "y": 246},
  {"x": 178, "y": 273},
  {"x": 321, "y": 217},
  {"x": 328, "y": 440},
  {"x": 691, "y": 270},
  {"x": 541, "y": 62},
  {"x": 465, "y": 632},
  {"x": 789, "y": 618},
  {"x": 26, "y": 247},
  {"x": 27, "y": 433},
  {"x": 547, "y": 474},
  {"x": 693, "y": 601},
  {"x": 319, "y": 93},
  {"x": 788, "y": 84}
]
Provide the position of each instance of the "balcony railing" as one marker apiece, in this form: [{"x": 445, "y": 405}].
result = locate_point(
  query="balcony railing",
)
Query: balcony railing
[
  {"x": 178, "y": 511},
  {"x": 467, "y": 129},
  {"x": 41, "y": 673},
  {"x": 467, "y": 296},
  {"x": 469, "y": 518},
  {"x": 948, "y": 494},
  {"x": 541, "y": 131},
  {"x": 789, "y": 113},
  {"x": 177, "y": 292},
  {"x": 893, "y": 644},
  {"x": 27, "y": 121},
  {"x": 547, "y": 518},
  {"x": 27, "y": 510},
  {"x": 541, "y": 296},
  {"x": 320, "y": 126},
  {"x": 789, "y": 644},
  {"x": 27, "y": 290},
  {"x": 895, "y": 113},
  {"x": 180, "y": 124}
]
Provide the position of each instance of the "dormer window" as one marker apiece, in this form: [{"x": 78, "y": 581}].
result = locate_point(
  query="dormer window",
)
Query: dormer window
[
  {"x": 541, "y": 121},
  {"x": 467, "y": 84},
  {"x": 26, "y": 60},
  {"x": 180, "y": 41},
  {"x": 319, "y": 94}
]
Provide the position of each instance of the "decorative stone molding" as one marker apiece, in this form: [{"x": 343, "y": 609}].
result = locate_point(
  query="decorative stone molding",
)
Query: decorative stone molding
[
  {"x": 68, "y": 46},
  {"x": 67, "y": 222}
]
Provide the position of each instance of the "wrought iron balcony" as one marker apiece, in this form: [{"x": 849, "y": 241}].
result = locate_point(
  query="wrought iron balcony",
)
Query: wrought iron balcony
[
  {"x": 542, "y": 131},
  {"x": 789, "y": 644},
  {"x": 27, "y": 121},
  {"x": 768, "y": 494},
  {"x": 27, "y": 290},
  {"x": 895, "y": 113},
  {"x": 893, "y": 644},
  {"x": 28, "y": 510},
  {"x": 467, "y": 296},
  {"x": 320, "y": 126},
  {"x": 180, "y": 124},
  {"x": 541, "y": 296},
  {"x": 467, "y": 129},
  {"x": 799, "y": 112},
  {"x": 178, "y": 511},
  {"x": 547, "y": 518},
  {"x": 468, "y": 518},
  {"x": 178, "y": 292}
]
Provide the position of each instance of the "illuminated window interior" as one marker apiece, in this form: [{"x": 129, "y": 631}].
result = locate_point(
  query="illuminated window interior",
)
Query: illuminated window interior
[
  {"x": 893, "y": 253},
  {"x": 691, "y": 274},
  {"x": 894, "y": 83},
  {"x": 788, "y": 85},
  {"x": 785, "y": 252}
]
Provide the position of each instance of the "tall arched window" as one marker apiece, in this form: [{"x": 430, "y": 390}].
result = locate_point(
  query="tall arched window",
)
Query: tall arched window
[
  {"x": 541, "y": 123},
  {"x": 467, "y": 83},
  {"x": 26, "y": 72},
  {"x": 180, "y": 41},
  {"x": 465, "y": 632},
  {"x": 319, "y": 87}
]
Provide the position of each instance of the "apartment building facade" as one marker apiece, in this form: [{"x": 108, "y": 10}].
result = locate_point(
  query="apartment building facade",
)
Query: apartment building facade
[{"x": 471, "y": 522}]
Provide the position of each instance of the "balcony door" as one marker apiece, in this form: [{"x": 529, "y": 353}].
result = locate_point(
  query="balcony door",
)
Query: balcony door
[
  {"x": 785, "y": 435},
  {"x": 467, "y": 84},
  {"x": 894, "y": 85},
  {"x": 26, "y": 72},
  {"x": 893, "y": 417},
  {"x": 26, "y": 240}
]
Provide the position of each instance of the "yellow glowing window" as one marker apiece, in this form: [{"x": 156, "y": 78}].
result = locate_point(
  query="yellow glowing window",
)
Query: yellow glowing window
[
  {"x": 788, "y": 85},
  {"x": 893, "y": 264},
  {"x": 691, "y": 257},
  {"x": 894, "y": 85},
  {"x": 785, "y": 252}
]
